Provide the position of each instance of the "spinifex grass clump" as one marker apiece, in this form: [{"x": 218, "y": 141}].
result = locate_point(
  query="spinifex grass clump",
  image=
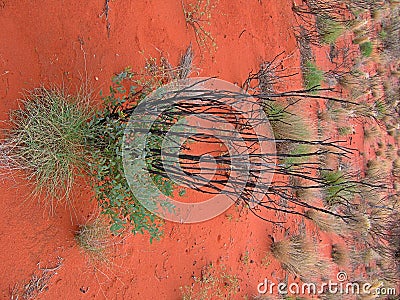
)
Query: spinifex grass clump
[
  {"x": 312, "y": 75},
  {"x": 286, "y": 125},
  {"x": 48, "y": 140},
  {"x": 371, "y": 133},
  {"x": 325, "y": 222},
  {"x": 366, "y": 48},
  {"x": 94, "y": 239},
  {"x": 297, "y": 255},
  {"x": 338, "y": 189},
  {"x": 329, "y": 29}
]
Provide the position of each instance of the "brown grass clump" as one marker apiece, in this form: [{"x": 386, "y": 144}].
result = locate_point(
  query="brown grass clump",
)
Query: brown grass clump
[
  {"x": 371, "y": 133},
  {"x": 359, "y": 223},
  {"x": 325, "y": 222},
  {"x": 396, "y": 168},
  {"x": 94, "y": 239},
  {"x": 363, "y": 256},
  {"x": 339, "y": 255},
  {"x": 298, "y": 255},
  {"x": 378, "y": 170}
]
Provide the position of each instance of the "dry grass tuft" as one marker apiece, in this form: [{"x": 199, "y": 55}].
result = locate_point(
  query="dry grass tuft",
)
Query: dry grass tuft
[
  {"x": 325, "y": 222},
  {"x": 298, "y": 255},
  {"x": 359, "y": 223},
  {"x": 371, "y": 133},
  {"x": 339, "y": 255},
  {"x": 94, "y": 239},
  {"x": 378, "y": 170},
  {"x": 396, "y": 168}
]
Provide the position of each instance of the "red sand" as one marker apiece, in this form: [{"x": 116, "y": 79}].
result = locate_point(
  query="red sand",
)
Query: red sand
[{"x": 48, "y": 42}]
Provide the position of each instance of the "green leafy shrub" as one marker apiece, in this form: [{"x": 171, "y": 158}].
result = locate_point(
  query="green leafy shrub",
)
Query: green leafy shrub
[{"x": 113, "y": 193}]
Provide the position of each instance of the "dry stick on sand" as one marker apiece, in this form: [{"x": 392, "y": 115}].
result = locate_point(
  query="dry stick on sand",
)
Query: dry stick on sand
[
  {"x": 37, "y": 284},
  {"x": 106, "y": 10}
]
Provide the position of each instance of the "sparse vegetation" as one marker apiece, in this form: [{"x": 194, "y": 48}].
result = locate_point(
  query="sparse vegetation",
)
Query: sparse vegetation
[
  {"x": 37, "y": 284},
  {"x": 213, "y": 283},
  {"x": 197, "y": 15}
]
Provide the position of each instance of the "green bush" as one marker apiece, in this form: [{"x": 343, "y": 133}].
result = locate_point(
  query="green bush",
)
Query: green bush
[
  {"x": 113, "y": 193},
  {"x": 56, "y": 137},
  {"x": 366, "y": 49}
]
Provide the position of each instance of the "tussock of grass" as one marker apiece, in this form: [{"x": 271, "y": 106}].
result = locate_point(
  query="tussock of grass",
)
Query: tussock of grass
[
  {"x": 47, "y": 140},
  {"x": 298, "y": 255},
  {"x": 346, "y": 130},
  {"x": 359, "y": 223},
  {"x": 339, "y": 254},
  {"x": 371, "y": 133},
  {"x": 329, "y": 29},
  {"x": 94, "y": 239},
  {"x": 304, "y": 192},
  {"x": 313, "y": 76},
  {"x": 286, "y": 125},
  {"x": 378, "y": 170},
  {"x": 337, "y": 189},
  {"x": 396, "y": 168},
  {"x": 366, "y": 49},
  {"x": 362, "y": 256},
  {"x": 325, "y": 222}
]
